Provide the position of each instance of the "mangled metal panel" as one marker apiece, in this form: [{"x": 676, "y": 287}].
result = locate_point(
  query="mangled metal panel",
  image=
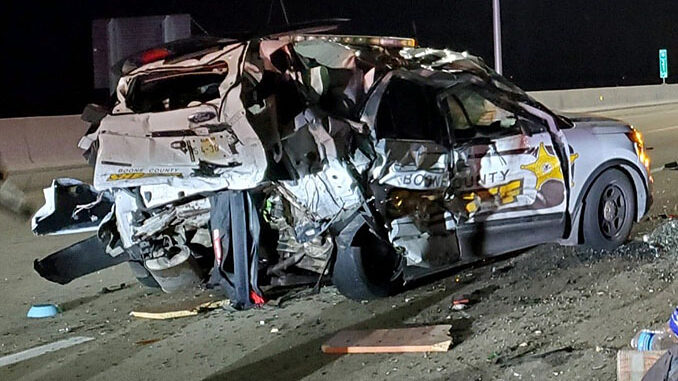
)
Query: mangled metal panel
[
  {"x": 412, "y": 165},
  {"x": 71, "y": 206},
  {"x": 210, "y": 146}
]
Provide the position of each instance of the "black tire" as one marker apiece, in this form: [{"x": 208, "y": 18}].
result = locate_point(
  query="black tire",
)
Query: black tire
[
  {"x": 609, "y": 211},
  {"x": 368, "y": 269},
  {"x": 143, "y": 276}
]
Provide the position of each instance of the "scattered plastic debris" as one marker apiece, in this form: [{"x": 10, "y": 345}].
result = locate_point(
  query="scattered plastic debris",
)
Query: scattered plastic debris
[
  {"x": 459, "y": 303},
  {"x": 38, "y": 311},
  {"x": 108, "y": 290},
  {"x": 147, "y": 341}
]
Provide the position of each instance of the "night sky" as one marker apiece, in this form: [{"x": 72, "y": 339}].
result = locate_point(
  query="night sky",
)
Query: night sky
[{"x": 547, "y": 44}]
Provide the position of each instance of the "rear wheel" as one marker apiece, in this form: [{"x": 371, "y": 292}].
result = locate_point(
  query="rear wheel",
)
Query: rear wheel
[
  {"x": 609, "y": 211},
  {"x": 367, "y": 269}
]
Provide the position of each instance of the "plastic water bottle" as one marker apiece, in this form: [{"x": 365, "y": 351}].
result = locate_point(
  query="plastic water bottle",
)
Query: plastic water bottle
[{"x": 656, "y": 340}]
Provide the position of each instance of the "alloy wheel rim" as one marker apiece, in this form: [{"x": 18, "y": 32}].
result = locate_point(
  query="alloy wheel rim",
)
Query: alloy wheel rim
[{"x": 612, "y": 211}]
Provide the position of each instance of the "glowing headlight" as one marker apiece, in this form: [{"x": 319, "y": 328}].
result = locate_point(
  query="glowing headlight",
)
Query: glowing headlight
[{"x": 636, "y": 137}]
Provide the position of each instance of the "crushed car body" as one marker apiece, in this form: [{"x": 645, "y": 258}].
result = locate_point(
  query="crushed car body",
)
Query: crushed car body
[{"x": 275, "y": 161}]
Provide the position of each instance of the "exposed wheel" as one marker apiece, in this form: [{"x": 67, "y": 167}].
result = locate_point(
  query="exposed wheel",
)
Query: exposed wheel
[
  {"x": 609, "y": 210},
  {"x": 367, "y": 269},
  {"x": 143, "y": 276}
]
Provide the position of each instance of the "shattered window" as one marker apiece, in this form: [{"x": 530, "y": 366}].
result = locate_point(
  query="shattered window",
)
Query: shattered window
[
  {"x": 408, "y": 110},
  {"x": 471, "y": 115},
  {"x": 171, "y": 92}
]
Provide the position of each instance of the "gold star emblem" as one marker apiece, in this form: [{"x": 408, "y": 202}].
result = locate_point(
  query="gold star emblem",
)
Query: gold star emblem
[{"x": 546, "y": 167}]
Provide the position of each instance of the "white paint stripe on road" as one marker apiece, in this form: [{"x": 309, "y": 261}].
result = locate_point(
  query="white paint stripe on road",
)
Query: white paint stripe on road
[
  {"x": 660, "y": 130},
  {"x": 41, "y": 350}
]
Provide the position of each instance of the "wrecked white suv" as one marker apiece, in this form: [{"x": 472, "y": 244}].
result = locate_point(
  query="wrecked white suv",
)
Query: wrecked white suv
[{"x": 276, "y": 161}]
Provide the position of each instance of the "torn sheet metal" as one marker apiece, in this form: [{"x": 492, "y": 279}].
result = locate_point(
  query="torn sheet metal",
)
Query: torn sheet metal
[
  {"x": 327, "y": 193},
  {"x": 71, "y": 206},
  {"x": 412, "y": 165},
  {"x": 327, "y": 53}
]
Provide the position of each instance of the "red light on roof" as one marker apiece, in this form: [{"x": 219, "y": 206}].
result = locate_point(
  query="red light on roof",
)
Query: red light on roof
[{"x": 153, "y": 55}]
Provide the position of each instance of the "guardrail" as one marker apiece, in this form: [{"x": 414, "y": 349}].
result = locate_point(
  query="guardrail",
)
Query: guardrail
[
  {"x": 606, "y": 98},
  {"x": 41, "y": 142},
  {"x": 46, "y": 143}
]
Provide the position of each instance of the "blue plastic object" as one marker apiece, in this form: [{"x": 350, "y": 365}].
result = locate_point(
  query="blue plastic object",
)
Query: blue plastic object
[
  {"x": 38, "y": 311},
  {"x": 645, "y": 341},
  {"x": 673, "y": 322}
]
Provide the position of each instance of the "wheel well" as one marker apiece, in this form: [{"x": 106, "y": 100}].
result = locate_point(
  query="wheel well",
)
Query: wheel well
[{"x": 581, "y": 201}]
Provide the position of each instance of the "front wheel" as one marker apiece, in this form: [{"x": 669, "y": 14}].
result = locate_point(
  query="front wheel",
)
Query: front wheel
[
  {"x": 367, "y": 267},
  {"x": 609, "y": 210}
]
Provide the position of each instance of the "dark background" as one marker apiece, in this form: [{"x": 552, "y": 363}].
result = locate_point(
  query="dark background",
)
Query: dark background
[{"x": 547, "y": 44}]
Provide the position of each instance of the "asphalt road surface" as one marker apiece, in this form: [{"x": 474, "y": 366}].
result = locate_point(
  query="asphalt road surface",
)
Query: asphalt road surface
[{"x": 548, "y": 313}]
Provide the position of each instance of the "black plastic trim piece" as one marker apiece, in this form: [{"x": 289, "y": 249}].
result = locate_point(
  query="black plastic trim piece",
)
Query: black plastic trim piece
[{"x": 490, "y": 238}]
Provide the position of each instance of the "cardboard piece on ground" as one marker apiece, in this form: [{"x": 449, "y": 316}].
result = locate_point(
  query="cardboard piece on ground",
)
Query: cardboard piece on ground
[
  {"x": 632, "y": 365},
  {"x": 161, "y": 315},
  {"x": 433, "y": 338}
]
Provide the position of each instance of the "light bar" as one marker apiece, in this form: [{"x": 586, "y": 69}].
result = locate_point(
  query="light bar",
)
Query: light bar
[{"x": 388, "y": 42}]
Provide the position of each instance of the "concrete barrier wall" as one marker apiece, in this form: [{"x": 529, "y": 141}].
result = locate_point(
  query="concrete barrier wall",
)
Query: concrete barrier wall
[
  {"x": 41, "y": 142},
  {"x": 28, "y": 144},
  {"x": 605, "y": 98}
]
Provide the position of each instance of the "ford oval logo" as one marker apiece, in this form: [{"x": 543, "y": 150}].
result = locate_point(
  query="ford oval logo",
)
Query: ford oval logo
[{"x": 203, "y": 116}]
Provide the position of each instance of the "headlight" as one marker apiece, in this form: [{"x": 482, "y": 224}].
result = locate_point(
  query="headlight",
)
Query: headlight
[{"x": 636, "y": 137}]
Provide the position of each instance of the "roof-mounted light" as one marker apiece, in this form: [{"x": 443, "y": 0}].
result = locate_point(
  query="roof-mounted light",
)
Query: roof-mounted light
[{"x": 388, "y": 42}]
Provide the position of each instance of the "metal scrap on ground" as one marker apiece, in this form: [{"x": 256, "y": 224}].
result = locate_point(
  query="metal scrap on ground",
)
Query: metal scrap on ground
[{"x": 433, "y": 338}]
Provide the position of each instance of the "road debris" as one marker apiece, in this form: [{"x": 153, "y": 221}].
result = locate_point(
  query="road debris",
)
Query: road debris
[
  {"x": 459, "y": 303},
  {"x": 38, "y": 311},
  {"x": 672, "y": 165},
  {"x": 632, "y": 365},
  {"x": 162, "y": 315},
  {"x": 433, "y": 338},
  {"x": 147, "y": 341},
  {"x": 109, "y": 289}
]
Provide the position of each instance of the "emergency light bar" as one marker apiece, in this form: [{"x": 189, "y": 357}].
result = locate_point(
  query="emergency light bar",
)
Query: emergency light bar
[{"x": 388, "y": 42}]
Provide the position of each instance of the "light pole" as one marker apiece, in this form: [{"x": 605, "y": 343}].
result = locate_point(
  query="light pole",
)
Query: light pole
[{"x": 496, "y": 28}]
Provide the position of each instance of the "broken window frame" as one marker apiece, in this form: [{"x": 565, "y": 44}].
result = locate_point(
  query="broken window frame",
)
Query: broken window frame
[{"x": 526, "y": 123}]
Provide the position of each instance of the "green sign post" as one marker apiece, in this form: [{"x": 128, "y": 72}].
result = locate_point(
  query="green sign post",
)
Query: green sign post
[{"x": 663, "y": 65}]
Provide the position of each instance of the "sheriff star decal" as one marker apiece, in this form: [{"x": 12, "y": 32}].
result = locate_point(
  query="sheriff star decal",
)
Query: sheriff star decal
[{"x": 546, "y": 167}]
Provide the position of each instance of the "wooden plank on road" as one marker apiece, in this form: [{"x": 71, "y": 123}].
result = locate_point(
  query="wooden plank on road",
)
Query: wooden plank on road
[{"x": 433, "y": 338}]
